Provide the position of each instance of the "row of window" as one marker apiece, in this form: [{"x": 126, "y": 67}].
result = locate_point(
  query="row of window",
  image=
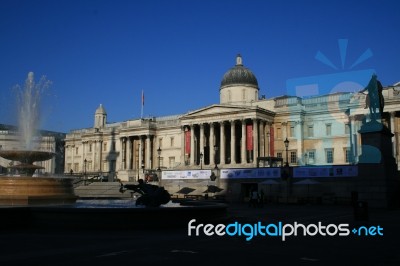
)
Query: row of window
[
  {"x": 310, "y": 131},
  {"x": 171, "y": 142},
  {"x": 309, "y": 156}
]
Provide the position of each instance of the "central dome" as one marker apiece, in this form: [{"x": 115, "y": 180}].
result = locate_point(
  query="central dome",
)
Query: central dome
[{"x": 239, "y": 75}]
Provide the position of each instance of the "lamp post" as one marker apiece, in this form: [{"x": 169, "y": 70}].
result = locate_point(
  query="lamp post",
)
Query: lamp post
[
  {"x": 159, "y": 158},
  {"x": 201, "y": 160},
  {"x": 306, "y": 158},
  {"x": 287, "y": 153},
  {"x": 84, "y": 171},
  {"x": 215, "y": 156}
]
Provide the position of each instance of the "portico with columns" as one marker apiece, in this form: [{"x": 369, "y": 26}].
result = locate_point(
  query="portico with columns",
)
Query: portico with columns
[{"x": 225, "y": 135}]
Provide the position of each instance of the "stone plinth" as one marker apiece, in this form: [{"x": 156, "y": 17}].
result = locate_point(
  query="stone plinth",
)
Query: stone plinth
[{"x": 378, "y": 181}]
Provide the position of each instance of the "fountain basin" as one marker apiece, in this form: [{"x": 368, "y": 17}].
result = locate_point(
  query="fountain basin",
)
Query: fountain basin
[
  {"x": 26, "y": 156},
  {"x": 26, "y": 190}
]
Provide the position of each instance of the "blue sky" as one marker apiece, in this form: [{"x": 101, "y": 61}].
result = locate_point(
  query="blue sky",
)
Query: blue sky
[{"x": 178, "y": 51}]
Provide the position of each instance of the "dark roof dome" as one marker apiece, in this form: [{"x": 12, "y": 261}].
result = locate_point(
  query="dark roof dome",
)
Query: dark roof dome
[{"x": 239, "y": 75}]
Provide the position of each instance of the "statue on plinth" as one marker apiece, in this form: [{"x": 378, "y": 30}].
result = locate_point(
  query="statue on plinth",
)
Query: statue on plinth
[
  {"x": 152, "y": 195},
  {"x": 374, "y": 99}
]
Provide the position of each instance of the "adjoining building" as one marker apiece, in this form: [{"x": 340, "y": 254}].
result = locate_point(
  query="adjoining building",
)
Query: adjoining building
[
  {"x": 234, "y": 133},
  {"x": 46, "y": 141}
]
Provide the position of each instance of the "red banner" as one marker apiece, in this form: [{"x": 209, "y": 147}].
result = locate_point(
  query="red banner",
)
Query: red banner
[
  {"x": 187, "y": 142},
  {"x": 249, "y": 139},
  {"x": 271, "y": 140}
]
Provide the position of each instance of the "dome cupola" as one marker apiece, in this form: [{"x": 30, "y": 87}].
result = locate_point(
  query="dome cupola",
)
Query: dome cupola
[{"x": 239, "y": 85}]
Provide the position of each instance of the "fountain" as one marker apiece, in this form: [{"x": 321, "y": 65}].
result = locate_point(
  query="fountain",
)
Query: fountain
[
  {"x": 24, "y": 189},
  {"x": 50, "y": 202}
]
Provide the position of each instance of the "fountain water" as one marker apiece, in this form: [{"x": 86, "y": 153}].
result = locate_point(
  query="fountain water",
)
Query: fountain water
[
  {"x": 25, "y": 189},
  {"x": 31, "y": 191}
]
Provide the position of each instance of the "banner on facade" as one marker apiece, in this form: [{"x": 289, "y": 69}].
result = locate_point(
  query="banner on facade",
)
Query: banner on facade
[
  {"x": 269, "y": 172},
  {"x": 326, "y": 171},
  {"x": 249, "y": 139},
  {"x": 187, "y": 142},
  {"x": 191, "y": 174}
]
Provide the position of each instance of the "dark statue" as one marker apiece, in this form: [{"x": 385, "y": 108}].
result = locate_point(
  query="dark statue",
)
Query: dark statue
[
  {"x": 374, "y": 99},
  {"x": 151, "y": 195}
]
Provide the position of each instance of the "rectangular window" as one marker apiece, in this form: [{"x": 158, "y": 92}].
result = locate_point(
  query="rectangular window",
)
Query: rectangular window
[
  {"x": 310, "y": 131},
  {"x": 328, "y": 129},
  {"x": 279, "y": 154},
  {"x": 76, "y": 150},
  {"x": 347, "y": 128},
  {"x": 347, "y": 155},
  {"x": 105, "y": 146},
  {"x": 279, "y": 133},
  {"x": 171, "y": 162},
  {"x": 311, "y": 157},
  {"x": 292, "y": 132},
  {"x": 172, "y": 141},
  {"x": 293, "y": 157},
  {"x": 76, "y": 167},
  {"x": 329, "y": 155},
  {"x": 90, "y": 147}
]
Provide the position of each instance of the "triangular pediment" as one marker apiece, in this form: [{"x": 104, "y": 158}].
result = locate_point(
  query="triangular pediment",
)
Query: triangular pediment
[{"x": 217, "y": 110}]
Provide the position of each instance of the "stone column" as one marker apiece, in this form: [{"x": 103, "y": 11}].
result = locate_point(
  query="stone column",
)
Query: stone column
[
  {"x": 212, "y": 143},
  {"x": 262, "y": 138},
  {"x": 141, "y": 146},
  {"x": 233, "y": 142},
  {"x": 148, "y": 152},
  {"x": 202, "y": 139},
  {"x": 222, "y": 143},
  {"x": 243, "y": 146},
  {"x": 122, "y": 153},
  {"x": 129, "y": 154},
  {"x": 84, "y": 144},
  {"x": 183, "y": 143},
  {"x": 192, "y": 144},
  {"x": 255, "y": 140}
]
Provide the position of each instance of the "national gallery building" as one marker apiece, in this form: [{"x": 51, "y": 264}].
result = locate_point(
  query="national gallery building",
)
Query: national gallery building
[{"x": 243, "y": 130}]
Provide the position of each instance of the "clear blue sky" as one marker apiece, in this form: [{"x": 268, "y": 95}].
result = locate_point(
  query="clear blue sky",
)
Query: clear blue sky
[{"x": 177, "y": 51}]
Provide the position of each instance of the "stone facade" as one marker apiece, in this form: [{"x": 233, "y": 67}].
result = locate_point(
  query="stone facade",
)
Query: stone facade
[{"x": 321, "y": 130}]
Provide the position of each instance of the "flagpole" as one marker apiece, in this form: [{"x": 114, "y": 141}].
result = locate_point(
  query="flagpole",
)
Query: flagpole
[{"x": 141, "y": 113}]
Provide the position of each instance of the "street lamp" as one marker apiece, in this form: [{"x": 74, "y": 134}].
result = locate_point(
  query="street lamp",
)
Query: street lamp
[
  {"x": 201, "y": 160},
  {"x": 159, "y": 158},
  {"x": 287, "y": 153},
  {"x": 305, "y": 158},
  {"x": 215, "y": 156}
]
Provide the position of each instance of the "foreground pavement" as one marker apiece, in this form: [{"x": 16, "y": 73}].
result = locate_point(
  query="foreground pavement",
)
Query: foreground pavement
[{"x": 174, "y": 246}]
